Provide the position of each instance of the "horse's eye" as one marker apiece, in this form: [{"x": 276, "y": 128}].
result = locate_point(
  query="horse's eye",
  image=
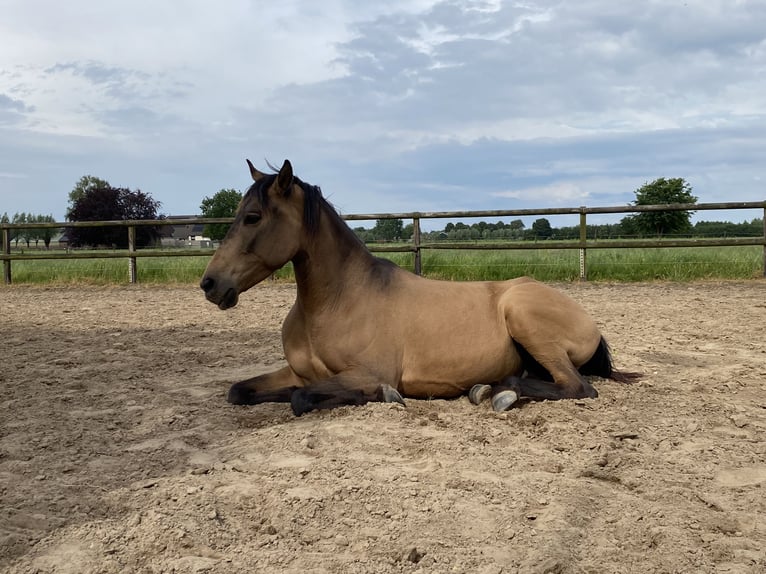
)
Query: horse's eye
[{"x": 252, "y": 218}]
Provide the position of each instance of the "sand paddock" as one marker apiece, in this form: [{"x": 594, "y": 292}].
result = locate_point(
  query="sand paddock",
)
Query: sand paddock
[{"x": 118, "y": 452}]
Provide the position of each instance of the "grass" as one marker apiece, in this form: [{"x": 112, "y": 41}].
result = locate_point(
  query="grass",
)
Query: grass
[{"x": 672, "y": 264}]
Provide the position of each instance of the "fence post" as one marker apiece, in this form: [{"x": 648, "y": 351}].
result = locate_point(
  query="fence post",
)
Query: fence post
[
  {"x": 131, "y": 249},
  {"x": 764, "y": 240},
  {"x": 416, "y": 244},
  {"x": 583, "y": 239},
  {"x": 7, "y": 251}
]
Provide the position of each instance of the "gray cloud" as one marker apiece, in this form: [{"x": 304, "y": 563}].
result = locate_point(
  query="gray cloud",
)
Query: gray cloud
[{"x": 12, "y": 110}]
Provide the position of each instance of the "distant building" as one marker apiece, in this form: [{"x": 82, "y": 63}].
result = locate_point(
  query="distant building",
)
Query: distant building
[
  {"x": 61, "y": 240},
  {"x": 184, "y": 235}
]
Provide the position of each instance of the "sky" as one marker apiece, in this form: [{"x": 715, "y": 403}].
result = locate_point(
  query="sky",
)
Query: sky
[{"x": 389, "y": 106}]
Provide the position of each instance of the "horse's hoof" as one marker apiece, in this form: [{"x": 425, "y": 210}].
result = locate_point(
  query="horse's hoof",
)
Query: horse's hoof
[
  {"x": 389, "y": 394},
  {"x": 300, "y": 403},
  {"x": 479, "y": 393},
  {"x": 504, "y": 400},
  {"x": 239, "y": 395},
  {"x": 590, "y": 390}
]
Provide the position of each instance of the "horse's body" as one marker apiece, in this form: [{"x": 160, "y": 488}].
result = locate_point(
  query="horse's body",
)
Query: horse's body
[{"x": 363, "y": 329}]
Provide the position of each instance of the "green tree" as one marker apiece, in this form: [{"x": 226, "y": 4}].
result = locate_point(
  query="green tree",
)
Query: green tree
[
  {"x": 516, "y": 228},
  {"x": 85, "y": 184},
  {"x": 222, "y": 204},
  {"x": 24, "y": 235},
  {"x": 660, "y": 192},
  {"x": 542, "y": 228},
  {"x": 46, "y": 233},
  {"x": 34, "y": 234},
  {"x": 364, "y": 234},
  {"x": 5, "y": 219},
  {"x": 388, "y": 229}
]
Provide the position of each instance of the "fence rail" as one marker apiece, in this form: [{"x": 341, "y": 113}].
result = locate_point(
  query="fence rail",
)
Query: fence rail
[{"x": 417, "y": 246}]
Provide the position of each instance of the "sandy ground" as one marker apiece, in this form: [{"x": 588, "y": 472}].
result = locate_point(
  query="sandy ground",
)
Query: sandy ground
[{"x": 118, "y": 452}]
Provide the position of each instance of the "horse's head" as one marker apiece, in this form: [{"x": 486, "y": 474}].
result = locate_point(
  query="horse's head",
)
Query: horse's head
[{"x": 266, "y": 234}]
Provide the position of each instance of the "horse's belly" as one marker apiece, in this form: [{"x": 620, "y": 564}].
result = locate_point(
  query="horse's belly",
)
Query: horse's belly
[{"x": 442, "y": 368}]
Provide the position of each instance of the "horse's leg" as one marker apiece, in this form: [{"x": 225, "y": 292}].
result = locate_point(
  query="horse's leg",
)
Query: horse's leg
[
  {"x": 274, "y": 387},
  {"x": 567, "y": 383},
  {"x": 550, "y": 334},
  {"x": 347, "y": 388}
]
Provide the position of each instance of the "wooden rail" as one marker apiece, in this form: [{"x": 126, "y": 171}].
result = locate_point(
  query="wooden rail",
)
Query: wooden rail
[{"x": 417, "y": 246}]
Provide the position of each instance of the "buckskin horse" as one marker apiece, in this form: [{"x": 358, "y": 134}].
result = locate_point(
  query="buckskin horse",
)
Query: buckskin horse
[{"x": 362, "y": 329}]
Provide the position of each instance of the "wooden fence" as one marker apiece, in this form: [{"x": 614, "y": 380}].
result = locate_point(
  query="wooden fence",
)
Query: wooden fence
[{"x": 416, "y": 246}]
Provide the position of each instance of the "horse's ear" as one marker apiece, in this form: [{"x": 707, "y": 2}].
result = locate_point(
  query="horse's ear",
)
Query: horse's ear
[
  {"x": 254, "y": 173},
  {"x": 285, "y": 177}
]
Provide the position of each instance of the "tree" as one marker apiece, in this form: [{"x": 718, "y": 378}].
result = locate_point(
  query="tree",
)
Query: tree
[
  {"x": 85, "y": 184},
  {"x": 364, "y": 234},
  {"x": 110, "y": 204},
  {"x": 222, "y": 204},
  {"x": 542, "y": 228},
  {"x": 22, "y": 234},
  {"x": 45, "y": 233},
  {"x": 388, "y": 229},
  {"x": 5, "y": 219},
  {"x": 659, "y": 192}
]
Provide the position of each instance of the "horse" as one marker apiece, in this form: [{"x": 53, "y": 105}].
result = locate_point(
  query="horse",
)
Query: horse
[{"x": 363, "y": 329}]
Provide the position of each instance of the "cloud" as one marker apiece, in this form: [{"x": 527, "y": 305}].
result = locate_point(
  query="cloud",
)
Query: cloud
[
  {"x": 9, "y": 104},
  {"x": 563, "y": 193},
  {"x": 451, "y": 104},
  {"x": 12, "y": 110},
  {"x": 11, "y": 175}
]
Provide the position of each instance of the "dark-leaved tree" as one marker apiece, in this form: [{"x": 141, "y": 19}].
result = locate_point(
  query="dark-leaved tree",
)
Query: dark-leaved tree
[
  {"x": 112, "y": 204},
  {"x": 541, "y": 228},
  {"x": 85, "y": 184}
]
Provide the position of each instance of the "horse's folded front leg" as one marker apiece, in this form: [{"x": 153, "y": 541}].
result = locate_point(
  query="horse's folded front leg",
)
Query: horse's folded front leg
[
  {"x": 343, "y": 389},
  {"x": 275, "y": 387}
]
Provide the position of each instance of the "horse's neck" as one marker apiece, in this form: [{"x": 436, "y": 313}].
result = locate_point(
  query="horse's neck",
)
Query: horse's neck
[{"x": 329, "y": 263}]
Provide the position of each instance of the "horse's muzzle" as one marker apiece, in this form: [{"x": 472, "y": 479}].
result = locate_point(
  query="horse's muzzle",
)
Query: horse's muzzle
[{"x": 216, "y": 293}]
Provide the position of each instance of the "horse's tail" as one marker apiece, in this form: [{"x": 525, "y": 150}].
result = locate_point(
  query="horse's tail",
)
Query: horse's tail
[{"x": 601, "y": 365}]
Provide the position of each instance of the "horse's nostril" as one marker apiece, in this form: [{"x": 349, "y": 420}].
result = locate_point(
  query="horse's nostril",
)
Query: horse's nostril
[{"x": 207, "y": 284}]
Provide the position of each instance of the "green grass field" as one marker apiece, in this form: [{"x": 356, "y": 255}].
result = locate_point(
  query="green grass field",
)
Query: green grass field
[{"x": 672, "y": 264}]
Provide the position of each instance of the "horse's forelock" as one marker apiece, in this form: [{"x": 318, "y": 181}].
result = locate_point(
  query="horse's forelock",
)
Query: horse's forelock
[{"x": 312, "y": 199}]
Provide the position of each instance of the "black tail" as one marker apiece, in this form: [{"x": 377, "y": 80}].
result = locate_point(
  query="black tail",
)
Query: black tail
[{"x": 600, "y": 365}]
